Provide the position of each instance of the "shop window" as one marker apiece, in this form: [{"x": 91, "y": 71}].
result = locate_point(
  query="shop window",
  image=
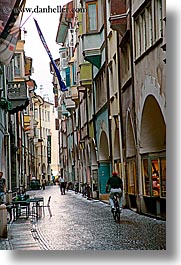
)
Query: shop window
[
  {"x": 131, "y": 173},
  {"x": 91, "y": 16},
  {"x": 163, "y": 177},
  {"x": 146, "y": 181},
  {"x": 154, "y": 176},
  {"x": 118, "y": 168}
]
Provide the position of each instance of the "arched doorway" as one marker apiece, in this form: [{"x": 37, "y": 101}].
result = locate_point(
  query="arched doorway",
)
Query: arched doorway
[
  {"x": 94, "y": 169},
  {"x": 153, "y": 157},
  {"x": 131, "y": 176},
  {"x": 104, "y": 162}
]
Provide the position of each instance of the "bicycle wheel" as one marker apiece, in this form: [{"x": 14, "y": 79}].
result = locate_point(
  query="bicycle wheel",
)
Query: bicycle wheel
[
  {"x": 117, "y": 215},
  {"x": 117, "y": 211},
  {"x": 114, "y": 214}
]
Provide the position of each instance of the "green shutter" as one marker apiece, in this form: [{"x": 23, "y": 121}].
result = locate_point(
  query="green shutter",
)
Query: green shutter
[{"x": 68, "y": 76}]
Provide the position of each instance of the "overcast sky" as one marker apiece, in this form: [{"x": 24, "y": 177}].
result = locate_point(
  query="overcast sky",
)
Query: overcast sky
[{"x": 48, "y": 23}]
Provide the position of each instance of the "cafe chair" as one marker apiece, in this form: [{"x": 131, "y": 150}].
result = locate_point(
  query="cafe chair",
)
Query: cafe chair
[
  {"x": 37, "y": 209},
  {"x": 24, "y": 207},
  {"x": 47, "y": 206}
]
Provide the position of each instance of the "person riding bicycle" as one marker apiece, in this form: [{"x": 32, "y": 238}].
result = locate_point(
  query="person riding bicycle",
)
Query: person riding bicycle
[{"x": 116, "y": 185}]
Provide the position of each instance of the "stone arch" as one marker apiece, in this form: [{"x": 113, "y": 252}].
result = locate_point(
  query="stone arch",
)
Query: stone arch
[
  {"x": 153, "y": 127},
  {"x": 130, "y": 137},
  {"x": 103, "y": 147},
  {"x": 151, "y": 87},
  {"x": 93, "y": 153}
]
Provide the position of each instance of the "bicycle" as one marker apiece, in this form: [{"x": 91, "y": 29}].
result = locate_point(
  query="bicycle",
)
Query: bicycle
[{"x": 116, "y": 210}]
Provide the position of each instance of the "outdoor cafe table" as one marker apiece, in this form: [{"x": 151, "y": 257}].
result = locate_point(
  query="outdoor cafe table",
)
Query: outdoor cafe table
[
  {"x": 35, "y": 209},
  {"x": 18, "y": 205}
]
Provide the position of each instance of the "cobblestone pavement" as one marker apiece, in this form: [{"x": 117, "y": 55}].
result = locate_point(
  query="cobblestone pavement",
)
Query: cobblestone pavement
[{"x": 81, "y": 224}]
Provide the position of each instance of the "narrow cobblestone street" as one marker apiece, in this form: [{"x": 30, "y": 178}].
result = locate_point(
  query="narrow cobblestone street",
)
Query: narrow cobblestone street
[{"x": 81, "y": 224}]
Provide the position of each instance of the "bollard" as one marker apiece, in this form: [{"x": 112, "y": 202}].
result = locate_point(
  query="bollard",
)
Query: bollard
[{"x": 3, "y": 221}]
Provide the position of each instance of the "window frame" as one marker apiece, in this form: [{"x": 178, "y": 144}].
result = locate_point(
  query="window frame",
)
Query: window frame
[
  {"x": 150, "y": 192},
  {"x": 149, "y": 23},
  {"x": 16, "y": 55},
  {"x": 158, "y": 19},
  {"x": 88, "y": 30},
  {"x": 132, "y": 185},
  {"x": 148, "y": 27}
]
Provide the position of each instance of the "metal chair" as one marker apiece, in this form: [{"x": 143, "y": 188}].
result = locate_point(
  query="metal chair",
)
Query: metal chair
[
  {"x": 47, "y": 206},
  {"x": 37, "y": 209}
]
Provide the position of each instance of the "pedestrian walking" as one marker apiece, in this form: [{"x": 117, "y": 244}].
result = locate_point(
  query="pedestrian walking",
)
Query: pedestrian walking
[
  {"x": 43, "y": 182},
  {"x": 88, "y": 190},
  {"x": 84, "y": 185},
  {"x": 62, "y": 185},
  {"x": 53, "y": 179}
]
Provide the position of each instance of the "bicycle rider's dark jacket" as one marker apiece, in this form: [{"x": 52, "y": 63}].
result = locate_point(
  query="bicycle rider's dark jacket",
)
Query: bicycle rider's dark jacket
[{"x": 115, "y": 182}]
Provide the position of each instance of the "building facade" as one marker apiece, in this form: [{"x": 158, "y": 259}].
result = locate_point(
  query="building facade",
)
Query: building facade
[
  {"x": 26, "y": 131},
  {"x": 113, "y": 116}
]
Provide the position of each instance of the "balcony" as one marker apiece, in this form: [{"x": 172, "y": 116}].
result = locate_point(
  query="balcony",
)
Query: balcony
[
  {"x": 75, "y": 95},
  {"x": 92, "y": 47},
  {"x": 119, "y": 15},
  {"x": 64, "y": 111},
  {"x": 85, "y": 74},
  {"x": 17, "y": 95},
  {"x": 69, "y": 103},
  {"x": 64, "y": 20}
]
